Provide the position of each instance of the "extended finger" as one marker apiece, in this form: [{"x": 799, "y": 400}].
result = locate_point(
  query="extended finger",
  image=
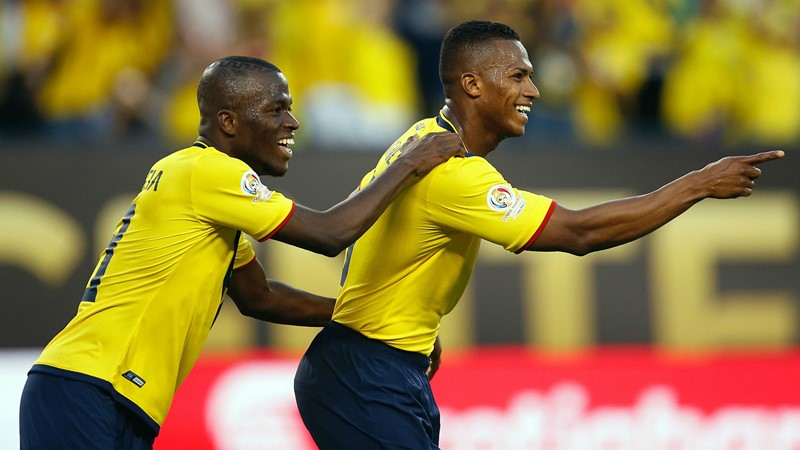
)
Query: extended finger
[{"x": 764, "y": 156}]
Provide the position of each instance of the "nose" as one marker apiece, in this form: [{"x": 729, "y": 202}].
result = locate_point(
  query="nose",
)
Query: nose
[
  {"x": 531, "y": 91},
  {"x": 291, "y": 122}
]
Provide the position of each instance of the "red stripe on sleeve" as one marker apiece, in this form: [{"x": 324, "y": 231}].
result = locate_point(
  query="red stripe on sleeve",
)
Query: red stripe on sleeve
[
  {"x": 540, "y": 229},
  {"x": 288, "y": 216}
]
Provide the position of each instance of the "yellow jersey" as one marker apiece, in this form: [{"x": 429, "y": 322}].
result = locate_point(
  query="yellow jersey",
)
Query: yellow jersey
[
  {"x": 412, "y": 266},
  {"x": 157, "y": 288}
]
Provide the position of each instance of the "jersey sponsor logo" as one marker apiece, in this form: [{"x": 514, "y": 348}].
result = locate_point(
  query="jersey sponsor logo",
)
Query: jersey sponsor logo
[{"x": 251, "y": 185}]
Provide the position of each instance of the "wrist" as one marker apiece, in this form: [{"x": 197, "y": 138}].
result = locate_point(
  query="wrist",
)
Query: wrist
[
  {"x": 407, "y": 166},
  {"x": 696, "y": 188}
]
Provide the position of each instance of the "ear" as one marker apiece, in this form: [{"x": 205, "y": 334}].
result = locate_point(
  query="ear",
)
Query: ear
[
  {"x": 471, "y": 83},
  {"x": 228, "y": 121}
]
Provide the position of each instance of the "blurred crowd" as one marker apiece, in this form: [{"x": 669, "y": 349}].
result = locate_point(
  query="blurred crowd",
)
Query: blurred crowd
[{"x": 712, "y": 72}]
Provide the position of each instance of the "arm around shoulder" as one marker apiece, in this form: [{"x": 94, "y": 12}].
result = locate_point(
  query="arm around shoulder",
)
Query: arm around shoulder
[{"x": 331, "y": 231}]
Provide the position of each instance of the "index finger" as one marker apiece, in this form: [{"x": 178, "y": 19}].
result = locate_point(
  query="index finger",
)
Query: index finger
[{"x": 764, "y": 156}]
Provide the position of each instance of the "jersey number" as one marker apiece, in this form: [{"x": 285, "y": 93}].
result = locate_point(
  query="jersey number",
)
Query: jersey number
[{"x": 91, "y": 291}]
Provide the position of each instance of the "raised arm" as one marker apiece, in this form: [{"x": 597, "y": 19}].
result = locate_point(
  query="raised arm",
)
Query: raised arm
[
  {"x": 329, "y": 232},
  {"x": 616, "y": 222},
  {"x": 276, "y": 302}
]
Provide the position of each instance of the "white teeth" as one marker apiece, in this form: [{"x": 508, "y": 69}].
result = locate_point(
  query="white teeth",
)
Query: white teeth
[
  {"x": 286, "y": 142},
  {"x": 523, "y": 109}
]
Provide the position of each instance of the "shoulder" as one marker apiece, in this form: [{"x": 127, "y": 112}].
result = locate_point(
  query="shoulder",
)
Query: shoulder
[
  {"x": 467, "y": 169},
  {"x": 210, "y": 162},
  {"x": 460, "y": 178}
]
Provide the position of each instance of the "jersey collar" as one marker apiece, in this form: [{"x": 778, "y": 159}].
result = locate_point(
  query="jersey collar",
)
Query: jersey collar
[{"x": 442, "y": 121}]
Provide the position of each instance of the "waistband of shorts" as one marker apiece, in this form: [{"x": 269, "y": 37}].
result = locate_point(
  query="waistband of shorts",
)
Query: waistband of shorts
[
  {"x": 341, "y": 332},
  {"x": 133, "y": 408}
]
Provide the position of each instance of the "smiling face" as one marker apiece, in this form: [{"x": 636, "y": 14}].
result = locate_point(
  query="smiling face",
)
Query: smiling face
[
  {"x": 506, "y": 89},
  {"x": 264, "y": 124}
]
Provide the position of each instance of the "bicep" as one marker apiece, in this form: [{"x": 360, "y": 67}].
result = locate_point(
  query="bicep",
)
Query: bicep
[
  {"x": 562, "y": 232},
  {"x": 304, "y": 229}
]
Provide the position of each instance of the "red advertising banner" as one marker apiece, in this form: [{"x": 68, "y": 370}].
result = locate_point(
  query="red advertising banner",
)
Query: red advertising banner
[{"x": 513, "y": 398}]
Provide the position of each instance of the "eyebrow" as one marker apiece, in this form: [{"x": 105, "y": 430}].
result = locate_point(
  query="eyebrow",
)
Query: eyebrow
[
  {"x": 522, "y": 69},
  {"x": 280, "y": 101}
]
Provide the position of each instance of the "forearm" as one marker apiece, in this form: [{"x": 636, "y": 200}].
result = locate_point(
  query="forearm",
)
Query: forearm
[
  {"x": 332, "y": 231},
  {"x": 335, "y": 229},
  {"x": 284, "y": 304},
  {"x": 621, "y": 221},
  {"x": 617, "y": 222},
  {"x": 351, "y": 218}
]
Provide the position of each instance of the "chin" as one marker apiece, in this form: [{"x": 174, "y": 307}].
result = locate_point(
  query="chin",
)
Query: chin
[
  {"x": 275, "y": 170},
  {"x": 515, "y": 133},
  {"x": 281, "y": 171},
  {"x": 276, "y": 173}
]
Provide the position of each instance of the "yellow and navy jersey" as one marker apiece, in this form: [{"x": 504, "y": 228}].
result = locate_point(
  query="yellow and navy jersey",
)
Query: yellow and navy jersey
[
  {"x": 158, "y": 286},
  {"x": 412, "y": 266}
]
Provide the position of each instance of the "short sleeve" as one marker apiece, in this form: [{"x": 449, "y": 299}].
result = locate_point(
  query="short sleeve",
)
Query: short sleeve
[
  {"x": 225, "y": 191},
  {"x": 471, "y": 196},
  {"x": 244, "y": 253}
]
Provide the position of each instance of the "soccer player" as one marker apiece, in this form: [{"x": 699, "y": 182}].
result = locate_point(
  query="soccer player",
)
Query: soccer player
[
  {"x": 108, "y": 378},
  {"x": 362, "y": 383}
]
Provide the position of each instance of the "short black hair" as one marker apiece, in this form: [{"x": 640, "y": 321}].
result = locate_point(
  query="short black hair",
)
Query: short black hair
[
  {"x": 223, "y": 81},
  {"x": 245, "y": 63},
  {"x": 469, "y": 39}
]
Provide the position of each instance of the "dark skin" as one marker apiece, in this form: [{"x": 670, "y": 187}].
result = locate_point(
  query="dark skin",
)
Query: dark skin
[
  {"x": 255, "y": 124},
  {"x": 484, "y": 104}
]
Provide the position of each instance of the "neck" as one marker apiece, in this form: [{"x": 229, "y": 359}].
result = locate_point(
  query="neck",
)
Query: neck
[
  {"x": 470, "y": 128},
  {"x": 204, "y": 138}
]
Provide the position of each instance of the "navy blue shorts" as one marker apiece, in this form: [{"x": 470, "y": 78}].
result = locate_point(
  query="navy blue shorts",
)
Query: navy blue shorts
[
  {"x": 359, "y": 393},
  {"x": 60, "y": 413}
]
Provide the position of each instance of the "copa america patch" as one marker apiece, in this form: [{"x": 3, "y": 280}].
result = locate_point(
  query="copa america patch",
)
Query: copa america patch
[
  {"x": 251, "y": 185},
  {"x": 501, "y": 197}
]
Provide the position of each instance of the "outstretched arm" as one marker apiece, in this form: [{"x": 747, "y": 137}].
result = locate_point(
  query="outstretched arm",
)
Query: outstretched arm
[
  {"x": 329, "y": 232},
  {"x": 616, "y": 222},
  {"x": 276, "y": 302}
]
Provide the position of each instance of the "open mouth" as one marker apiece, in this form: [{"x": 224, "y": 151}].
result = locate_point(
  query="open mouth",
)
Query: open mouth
[
  {"x": 523, "y": 109},
  {"x": 285, "y": 143}
]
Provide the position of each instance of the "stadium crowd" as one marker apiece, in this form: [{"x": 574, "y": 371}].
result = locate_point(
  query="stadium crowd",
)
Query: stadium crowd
[{"x": 711, "y": 72}]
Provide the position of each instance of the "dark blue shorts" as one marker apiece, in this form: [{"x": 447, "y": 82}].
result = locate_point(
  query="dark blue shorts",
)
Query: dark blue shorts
[
  {"x": 359, "y": 393},
  {"x": 60, "y": 413}
]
